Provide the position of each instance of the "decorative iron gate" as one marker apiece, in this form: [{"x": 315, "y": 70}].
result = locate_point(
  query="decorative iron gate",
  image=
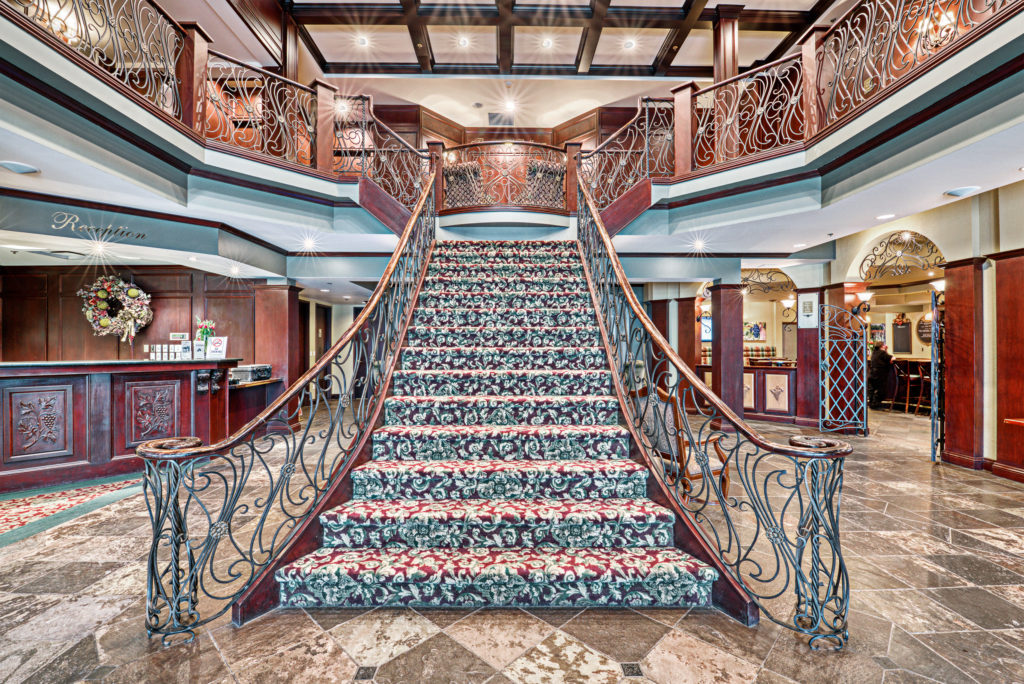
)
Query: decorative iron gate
[
  {"x": 938, "y": 375},
  {"x": 843, "y": 374}
]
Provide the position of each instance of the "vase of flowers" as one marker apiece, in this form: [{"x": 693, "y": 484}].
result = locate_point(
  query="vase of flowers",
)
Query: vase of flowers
[{"x": 204, "y": 331}]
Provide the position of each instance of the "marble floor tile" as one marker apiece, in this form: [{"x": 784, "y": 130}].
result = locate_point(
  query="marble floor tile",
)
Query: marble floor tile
[
  {"x": 438, "y": 660},
  {"x": 379, "y": 636},
  {"x": 681, "y": 658},
  {"x": 980, "y": 606},
  {"x": 791, "y": 658},
  {"x": 68, "y": 578},
  {"x": 915, "y": 571},
  {"x": 69, "y": 618},
  {"x": 263, "y": 637},
  {"x": 197, "y": 662},
  {"x": 442, "y": 617},
  {"x": 329, "y": 618},
  {"x": 666, "y": 616},
  {"x": 561, "y": 659},
  {"x": 319, "y": 659},
  {"x": 622, "y": 635},
  {"x": 987, "y": 660},
  {"x": 556, "y": 617},
  {"x": 726, "y": 634},
  {"x": 910, "y": 609},
  {"x": 499, "y": 636},
  {"x": 19, "y": 659},
  {"x": 975, "y": 569},
  {"x": 910, "y": 653}
]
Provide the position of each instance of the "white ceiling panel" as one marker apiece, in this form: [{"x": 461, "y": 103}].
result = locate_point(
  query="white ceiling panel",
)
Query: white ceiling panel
[
  {"x": 464, "y": 44},
  {"x": 379, "y": 44},
  {"x": 629, "y": 46},
  {"x": 544, "y": 45},
  {"x": 799, "y": 5},
  {"x": 698, "y": 49},
  {"x": 755, "y": 45}
]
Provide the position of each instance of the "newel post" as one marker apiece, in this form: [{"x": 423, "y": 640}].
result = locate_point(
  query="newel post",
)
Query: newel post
[
  {"x": 572, "y": 151},
  {"x": 809, "y": 66},
  {"x": 437, "y": 161},
  {"x": 191, "y": 74},
  {"x": 326, "y": 111},
  {"x": 682, "y": 133}
]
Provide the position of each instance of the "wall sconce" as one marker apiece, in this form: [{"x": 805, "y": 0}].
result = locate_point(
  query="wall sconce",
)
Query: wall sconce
[
  {"x": 939, "y": 285},
  {"x": 705, "y": 309},
  {"x": 788, "y": 309},
  {"x": 864, "y": 304}
]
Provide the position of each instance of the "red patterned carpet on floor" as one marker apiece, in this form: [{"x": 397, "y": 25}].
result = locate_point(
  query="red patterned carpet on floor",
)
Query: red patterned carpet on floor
[{"x": 22, "y": 510}]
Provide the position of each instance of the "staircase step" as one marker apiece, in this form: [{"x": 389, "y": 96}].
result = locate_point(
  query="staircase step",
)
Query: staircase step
[
  {"x": 504, "y": 300},
  {"x": 505, "y": 443},
  {"x": 498, "y": 410},
  {"x": 438, "y": 383},
  {"x": 482, "y": 336},
  {"x": 595, "y": 523},
  {"x": 489, "y": 317},
  {"x": 503, "y": 258},
  {"x": 527, "y": 246},
  {"x": 547, "y": 269},
  {"x": 504, "y": 358},
  {"x": 485, "y": 284},
  {"x": 568, "y": 479},
  {"x": 528, "y": 577}
]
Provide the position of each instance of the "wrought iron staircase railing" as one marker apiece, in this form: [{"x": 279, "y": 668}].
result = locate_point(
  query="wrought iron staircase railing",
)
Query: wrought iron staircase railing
[
  {"x": 222, "y": 514},
  {"x": 506, "y": 173},
  {"x": 777, "y": 531}
]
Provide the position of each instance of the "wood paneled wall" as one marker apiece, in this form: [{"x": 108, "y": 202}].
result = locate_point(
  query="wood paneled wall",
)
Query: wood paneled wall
[{"x": 43, "y": 319}]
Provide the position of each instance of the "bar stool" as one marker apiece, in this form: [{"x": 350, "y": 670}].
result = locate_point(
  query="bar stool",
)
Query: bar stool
[{"x": 925, "y": 393}]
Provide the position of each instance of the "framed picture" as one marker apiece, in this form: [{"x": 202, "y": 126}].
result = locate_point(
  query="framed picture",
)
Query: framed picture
[
  {"x": 877, "y": 333},
  {"x": 807, "y": 310},
  {"x": 755, "y": 331},
  {"x": 705, "y": 328}
]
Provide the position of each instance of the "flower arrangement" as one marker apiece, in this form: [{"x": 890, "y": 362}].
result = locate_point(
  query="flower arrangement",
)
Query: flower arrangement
[
  {"x": 204, "y": 329},
  {"x": 114, "y": 307}
]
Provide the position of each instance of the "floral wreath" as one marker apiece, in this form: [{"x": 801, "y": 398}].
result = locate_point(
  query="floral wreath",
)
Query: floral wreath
[{"x": 114, "y": 307}]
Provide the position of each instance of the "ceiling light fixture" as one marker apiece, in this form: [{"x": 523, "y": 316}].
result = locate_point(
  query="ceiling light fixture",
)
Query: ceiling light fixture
[
  {"x": 309, "y": 243},
  {"x": 324, "y": 290},
  {"x": 18, "y": 167},
  {"x": 463, "y": 42},
  {"x": 885, "y": 217},
  {"x": 193, "y": 259},
  {"x": 510, "y": 105},
  {"x": 235, "y": 270},
  {"x": 698, "y": 245},
  {"x": 962, "y": 192},
  {"x": 628, "y": 44},
  {"x": 799, "y": 245},
  {"x": 939, "y": 285},
  {"x": 362, "y": 41},
  {"x": 547, "y": 43}
]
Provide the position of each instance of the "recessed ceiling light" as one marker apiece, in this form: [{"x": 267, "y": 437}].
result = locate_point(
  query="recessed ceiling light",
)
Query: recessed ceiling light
[
  {"x": 18, "y": 167},
  {"x": 885, "y": 217},
  {"x": 324, "y": 290},
  {"x": 362, "y": 41},
  {"x": 628, "y": 44},
  {"x": 510, "y": 105},
  {"x": 235, "y": 270},
  {"x": 193, "y": 259},
  {"x": 1021, "y": 168},
  {"x": 309, "y": 243},
  {"x": 698, "y": 245},
  {"x": 931, "y": 273},
  {"x": 799, "y": 245},
  {"x": 962, "y": 192},
  {"x": 547, "y": 43},
  {"x": 341, "y": 106},
  {"x": 463, "y": 42},
  {"x": 347, "y": 298}
]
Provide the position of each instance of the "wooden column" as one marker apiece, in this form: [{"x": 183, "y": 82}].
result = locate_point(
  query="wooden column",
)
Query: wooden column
[
  {"x": 290, "y": 48},
  {"x": 572, "y": 151},
  {"x": 277, "y": 331},
  {"x": 964, "y": 353},
  {"x": 1009, "y": 353},
  {"x": 727, "y": 344},
  {"x": 323, "y": 155},
  {"x": 726, "y": 25},
  {"x": 659, "y": 363},
  {"x": 436, "y": 150},
  {"x": 682, "y": 131},
  {"x": 191, "y": 73},
  {"x": 688, "y": 330},
  {"x": 808, "y": 387},
  {"x": 809, "y": 65}
]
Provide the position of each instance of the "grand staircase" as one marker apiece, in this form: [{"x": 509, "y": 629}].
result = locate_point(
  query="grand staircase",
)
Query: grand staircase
[{"x": 501, "y": 476}]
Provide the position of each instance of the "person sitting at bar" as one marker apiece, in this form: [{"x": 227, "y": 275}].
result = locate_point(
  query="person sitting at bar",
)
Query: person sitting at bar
[{"x": 878, "y": 375}]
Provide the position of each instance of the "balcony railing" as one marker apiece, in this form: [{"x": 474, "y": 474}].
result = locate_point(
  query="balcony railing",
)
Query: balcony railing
[{"x": 505, "y": 174}]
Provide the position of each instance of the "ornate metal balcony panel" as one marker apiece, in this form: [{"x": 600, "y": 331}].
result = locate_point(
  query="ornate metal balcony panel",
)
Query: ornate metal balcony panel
[
  {"x": 756, "y": 112},
  {"x": 259, "y": 111},
  {"x": 641, "y": 149},
  {"x": 364, "y": 146},
  {"x": 900, "y": 254},
  {"x": 769, "y": 512},
  {"x": 880, "y": 42},
  {"x": 843, "y": 371},
  {"x": 222, "y": 513},
  {"x": 133, "y": 40},
  {"x": 504, "y": 174}
]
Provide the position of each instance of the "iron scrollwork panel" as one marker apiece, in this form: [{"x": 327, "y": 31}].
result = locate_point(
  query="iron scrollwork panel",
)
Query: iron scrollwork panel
[
  {"x": 220, "y": 519},
  {"x": 938, "y": 375},
  {"x": 504, "y": 174},
  {"x": 771, "y": 515},
  {"x": 843, "y": 370}
]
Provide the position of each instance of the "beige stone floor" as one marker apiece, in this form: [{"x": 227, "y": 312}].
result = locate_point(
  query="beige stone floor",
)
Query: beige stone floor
[{"x": 936, "y": 559}]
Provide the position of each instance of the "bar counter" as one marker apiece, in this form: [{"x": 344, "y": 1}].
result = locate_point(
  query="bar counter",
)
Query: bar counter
[{"x": 65, "y": 421}]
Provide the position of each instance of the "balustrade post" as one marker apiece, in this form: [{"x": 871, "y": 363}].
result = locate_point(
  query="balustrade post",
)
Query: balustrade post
[
  {"x": 437, "y": 161},
  {"x": 809, "y": 66},
  {"x": 682, "y": 133},
  {"x": 727, "y": 346},
  {"x": 326, "y": 111},
  {"x": 191, "y": 74},
  {"x": 572, "y": 151}
]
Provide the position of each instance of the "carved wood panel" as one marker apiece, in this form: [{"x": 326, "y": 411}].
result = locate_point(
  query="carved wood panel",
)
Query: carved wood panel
[
  {"x": 38, "y": 422},
  {"x": 152, "y": 411}
]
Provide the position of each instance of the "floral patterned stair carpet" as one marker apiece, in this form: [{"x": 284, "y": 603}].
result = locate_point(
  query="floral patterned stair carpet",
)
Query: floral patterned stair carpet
[{"x": 501, "y": 476}]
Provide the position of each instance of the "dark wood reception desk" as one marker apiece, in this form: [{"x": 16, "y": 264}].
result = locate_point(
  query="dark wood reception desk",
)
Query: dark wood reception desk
[{"x": 73, "y": 420}]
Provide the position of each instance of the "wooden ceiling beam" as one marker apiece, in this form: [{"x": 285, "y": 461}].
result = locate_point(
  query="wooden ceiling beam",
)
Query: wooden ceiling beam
[
  {"x": 591, "y": 35},
  {"x": 788, "y": 44},
  {"x": 332, "y": 68},
  {"x": 692, "y": 10},
  {"x": 418, "y": 35},
  {"x": 505, "y": 47}
]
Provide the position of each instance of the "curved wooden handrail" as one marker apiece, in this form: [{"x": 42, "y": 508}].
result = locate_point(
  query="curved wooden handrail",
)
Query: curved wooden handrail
[
  {"x": 639, "y": 110},
  {"x": 268, "y": 74},
  {"x": 747, "y": 74},
  {"x": 156, "y": 449},
  {"x": 387, "y": 129},
  {"x": 827, "y": 448}
]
